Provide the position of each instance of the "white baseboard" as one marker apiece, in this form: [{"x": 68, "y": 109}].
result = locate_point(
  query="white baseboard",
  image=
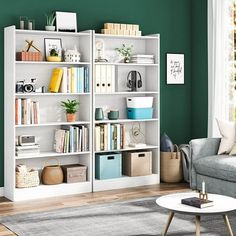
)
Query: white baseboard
[{"x": 1, "y": 191}]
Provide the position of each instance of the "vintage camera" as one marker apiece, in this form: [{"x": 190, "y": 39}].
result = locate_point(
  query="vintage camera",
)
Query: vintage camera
[{"x": 22, "y": 87}]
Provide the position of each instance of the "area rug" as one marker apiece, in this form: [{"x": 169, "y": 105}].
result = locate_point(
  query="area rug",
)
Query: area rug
[{"x": 129, "y": 218}]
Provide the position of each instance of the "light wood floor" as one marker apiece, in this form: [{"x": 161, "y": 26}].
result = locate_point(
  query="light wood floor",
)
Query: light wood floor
[{"x": 11, "y": 208}]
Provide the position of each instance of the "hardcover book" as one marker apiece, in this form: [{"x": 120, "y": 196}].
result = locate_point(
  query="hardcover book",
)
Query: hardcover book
[{"x": 197, "y": 202}]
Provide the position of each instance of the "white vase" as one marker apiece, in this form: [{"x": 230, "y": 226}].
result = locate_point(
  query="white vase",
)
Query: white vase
[{"x": 50, "y": 28}]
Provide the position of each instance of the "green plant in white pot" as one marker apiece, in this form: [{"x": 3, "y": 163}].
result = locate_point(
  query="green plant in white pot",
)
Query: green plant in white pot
[{"x": 51, "y": 17}]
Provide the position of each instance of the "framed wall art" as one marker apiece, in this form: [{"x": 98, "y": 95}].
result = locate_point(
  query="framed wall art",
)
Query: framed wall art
[
  {"x": 175, "y": 68},
  {"x": 66, "y": 21}
]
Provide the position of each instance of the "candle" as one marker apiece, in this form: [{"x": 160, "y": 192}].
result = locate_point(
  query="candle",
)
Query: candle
[
  {"x": 22, "y": 24},
  {"x": 203, "y": 187},
  {"x": 30, "y": 25}
]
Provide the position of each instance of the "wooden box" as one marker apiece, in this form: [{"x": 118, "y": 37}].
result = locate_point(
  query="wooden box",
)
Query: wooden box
[
  {"x": 74, "y": 173},
  {"x": 29, "y": 56},
  {"x": 137, "y": 163}
]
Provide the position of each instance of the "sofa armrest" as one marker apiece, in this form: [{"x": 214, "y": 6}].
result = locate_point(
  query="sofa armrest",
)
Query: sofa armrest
[{"x": 200, "y": 148}]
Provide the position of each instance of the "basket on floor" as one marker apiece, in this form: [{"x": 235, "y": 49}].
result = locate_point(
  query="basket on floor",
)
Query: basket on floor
[{"x": 27, "y": 179}]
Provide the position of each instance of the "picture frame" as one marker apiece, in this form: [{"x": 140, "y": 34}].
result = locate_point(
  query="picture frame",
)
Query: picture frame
[
  {"x": 66, "y": 21},
  {"x": 52, "y": 43},
  {"x": 175, "y": 68}
]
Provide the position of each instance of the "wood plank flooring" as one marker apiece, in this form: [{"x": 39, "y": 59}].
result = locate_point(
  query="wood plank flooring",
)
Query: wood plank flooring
[{"x": 11, "y": 208}]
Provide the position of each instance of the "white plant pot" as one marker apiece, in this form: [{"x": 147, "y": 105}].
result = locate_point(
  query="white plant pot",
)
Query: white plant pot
[{"x": 50, "y": 28}]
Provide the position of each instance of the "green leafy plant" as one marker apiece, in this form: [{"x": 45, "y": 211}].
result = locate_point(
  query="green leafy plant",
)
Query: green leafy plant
[
  {"x": 51, "y": 17},
  {"x": 53, "y": 52},
  {"x": 125, "y": 51},
  {"x": 71, "y": 106}
]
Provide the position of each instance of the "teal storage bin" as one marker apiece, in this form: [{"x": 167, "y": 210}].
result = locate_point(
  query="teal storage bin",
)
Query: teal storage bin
[
  {"x": 139, "y": 113},
  {"x": 108, "y": 165}
]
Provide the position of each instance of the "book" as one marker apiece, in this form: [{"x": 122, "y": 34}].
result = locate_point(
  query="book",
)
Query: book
[
  {"x": 56, "y": 78},
  {"x": 63, "y": 86},
  {"x": 197, "y": 202},
  {"x": 97, "y": 138}
]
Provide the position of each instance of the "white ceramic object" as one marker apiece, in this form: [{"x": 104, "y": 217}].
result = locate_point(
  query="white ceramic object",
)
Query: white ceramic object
[
  {"x": 139, "y": 102},
  {"x": 50, "y": 28},
  {"x": 72, "y": 55}
]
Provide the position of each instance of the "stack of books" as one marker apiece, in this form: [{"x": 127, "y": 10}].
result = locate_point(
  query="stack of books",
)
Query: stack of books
[
  {"x": 27, "y": 151},
  {"x": 109, "y": 137},
  {"x": 197, "y": 202},
  {"x": 71, "y": 138},
  {"x": 142, "y": 59},
  {"x": 69, "y": 80},
  {"x": 26, "y": 111}
]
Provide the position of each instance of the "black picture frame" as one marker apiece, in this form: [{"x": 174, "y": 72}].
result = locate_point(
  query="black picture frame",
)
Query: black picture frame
[{"x": 50, "y": 43}]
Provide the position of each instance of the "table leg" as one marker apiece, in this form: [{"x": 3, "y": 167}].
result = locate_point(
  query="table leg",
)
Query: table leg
[
  {"x": 198, "y": 220},
  {"x": 171, "y": 215},
  {"x": 226, "y": 220}
]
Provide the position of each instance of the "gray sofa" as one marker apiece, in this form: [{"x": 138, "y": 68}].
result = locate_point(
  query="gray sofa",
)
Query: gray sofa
[{"x": 218, "y": 171}]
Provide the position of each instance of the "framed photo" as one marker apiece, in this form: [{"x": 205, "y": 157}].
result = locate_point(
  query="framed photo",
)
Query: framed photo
[
  {"x": 66, "y": 21},
  {"x": 52, "y": 43},
  {"x": 174, "y": 68}
]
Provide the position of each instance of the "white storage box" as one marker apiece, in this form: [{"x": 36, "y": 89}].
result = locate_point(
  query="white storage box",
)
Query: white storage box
[{"x": 139, "y": 102}]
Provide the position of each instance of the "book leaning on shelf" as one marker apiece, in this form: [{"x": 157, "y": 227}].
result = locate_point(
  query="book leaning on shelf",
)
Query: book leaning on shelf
[
  {"x": 69, "y": 80},
  {"x": 109, "y": 137},
  {"x": 26, "y": 111},
  {"x": 197, "y": 202},
  {"x": 71, "y": 138}
]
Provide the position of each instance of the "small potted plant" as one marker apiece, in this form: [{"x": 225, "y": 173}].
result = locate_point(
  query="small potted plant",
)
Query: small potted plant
[
  {"x": 51, "y": 17},
  {"x": 125, "y": 52},
  {"x": 71, "y": 107},
  {"x": 54, "y": 55}
]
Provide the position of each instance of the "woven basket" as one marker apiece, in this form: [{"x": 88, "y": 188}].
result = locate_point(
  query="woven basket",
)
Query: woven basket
[{"x": 27, "y": 180}]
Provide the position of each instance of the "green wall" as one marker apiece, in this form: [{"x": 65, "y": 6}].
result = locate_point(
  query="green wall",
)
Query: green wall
[
  {"x": 170, "y": 18},
  {"x": 199, "y": 71}
]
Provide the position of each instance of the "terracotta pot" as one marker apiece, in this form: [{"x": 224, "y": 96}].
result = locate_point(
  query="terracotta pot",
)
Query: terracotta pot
[
  {"x": 52, "y": 174},
  {"x": 70, "y": 117}
]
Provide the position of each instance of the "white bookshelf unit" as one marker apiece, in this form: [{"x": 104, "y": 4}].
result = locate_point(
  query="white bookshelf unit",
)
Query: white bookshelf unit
[
  {"x": 52, "y": 115},
  {"x": 117, "y": 100}
]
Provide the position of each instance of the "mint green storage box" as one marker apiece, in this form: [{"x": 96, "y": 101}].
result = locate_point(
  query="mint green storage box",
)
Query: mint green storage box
[{"x": 108, "y": 165}]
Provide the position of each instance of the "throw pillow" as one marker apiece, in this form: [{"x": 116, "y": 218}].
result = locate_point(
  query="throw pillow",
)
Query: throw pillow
[{"x": 227, "y": 131}]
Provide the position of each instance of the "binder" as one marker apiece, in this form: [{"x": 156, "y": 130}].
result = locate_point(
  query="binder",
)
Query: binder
[
  {"x": 97, "y": 78},
  {"x": 110, "y": 79},
  {"x": 103, "y": 77}
]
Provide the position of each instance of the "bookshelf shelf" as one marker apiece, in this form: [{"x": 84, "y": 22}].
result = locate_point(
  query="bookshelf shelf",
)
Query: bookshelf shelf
[
  {"x": 54, "y": 124},
  {"x": 52, "y": 154},
  {"x": 50, "y": 63},
  {"x": 50, "y": 94},
  {"x": 125, "y": 64},
  {"x": 124, "y": 121},
  {"x": 127, "y": 93},
  {"x": 130, "y": 149},
  {"x": 109, "y": 36}
]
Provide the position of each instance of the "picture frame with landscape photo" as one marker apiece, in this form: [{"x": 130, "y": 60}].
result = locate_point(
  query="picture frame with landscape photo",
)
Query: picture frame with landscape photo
[
  {"x": 175, "y": 68},
  {"x": 53, "y": 43},
  {"x": 66, "y": 21}
]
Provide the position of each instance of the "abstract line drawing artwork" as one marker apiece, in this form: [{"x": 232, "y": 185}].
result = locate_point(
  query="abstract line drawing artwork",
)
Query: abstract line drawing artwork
[{"x": 175, "y": 68}]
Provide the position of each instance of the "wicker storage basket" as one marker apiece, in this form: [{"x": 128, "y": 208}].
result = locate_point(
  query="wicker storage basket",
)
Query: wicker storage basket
[{"x": 27, "y": 180}]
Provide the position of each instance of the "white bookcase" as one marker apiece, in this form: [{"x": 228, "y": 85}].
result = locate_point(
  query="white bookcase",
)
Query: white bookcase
[
  {"x": 117, "y": 100},
  {"x": 52, "y": 116}
]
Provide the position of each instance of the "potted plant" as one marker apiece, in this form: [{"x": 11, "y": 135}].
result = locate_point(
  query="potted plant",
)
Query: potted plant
[
  {"x": 71, "y": 107},
  {"x": 54, "y": 55},
  {"x": 125, "y": 52},
  {"x": 51, "y": 17}
]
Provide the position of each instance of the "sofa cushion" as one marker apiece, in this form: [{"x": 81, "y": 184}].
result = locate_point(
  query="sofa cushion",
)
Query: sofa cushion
[{"x": 217, "y": 166}]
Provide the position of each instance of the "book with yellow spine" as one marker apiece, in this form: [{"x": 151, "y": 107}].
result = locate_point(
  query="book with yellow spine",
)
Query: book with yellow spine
[{"x": 55, "y": 80}]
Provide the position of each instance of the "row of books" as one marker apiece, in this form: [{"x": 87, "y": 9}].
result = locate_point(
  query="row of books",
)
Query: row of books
[
  {"x": 71, "y": 138},
  {"x": 26, "y": 111},
  {"x": 70, "y": 80},
  {"x": 142, "y": 59},
  {"x": 109, "y": 137},
  {"x": 27, "y": 151}
]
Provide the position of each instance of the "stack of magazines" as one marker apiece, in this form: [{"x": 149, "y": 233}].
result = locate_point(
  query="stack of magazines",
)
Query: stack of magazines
[
  {"x": 142, "y": 59},
  {"x": 197, "y": 202},
  {"x": 27, "y": 151}
]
